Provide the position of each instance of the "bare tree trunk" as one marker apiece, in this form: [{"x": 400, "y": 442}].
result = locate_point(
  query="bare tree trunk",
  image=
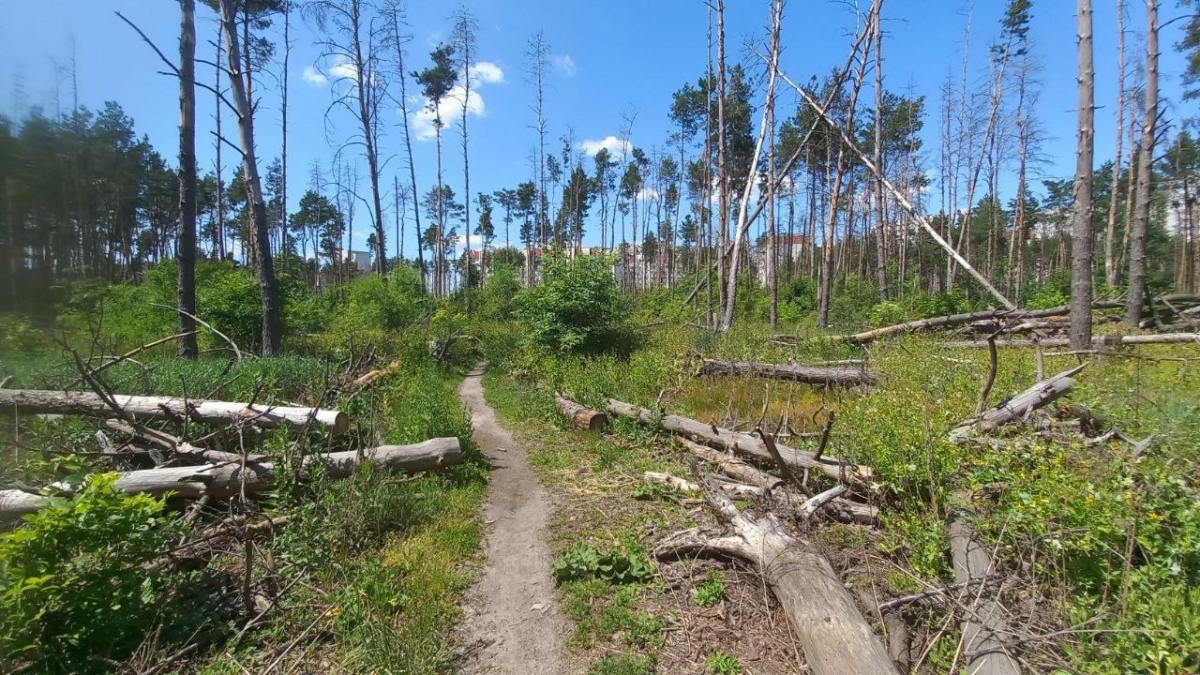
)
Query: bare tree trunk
[
  {"x": 1081, "y": 226},
  {"x": 1137, "y": 239},
  {"x": 723, "y": 184},
  {"x": 271, "y": 337},
  {"x": 219, "y": 244},
  {"x": 1112, "y": 271},
  {"x": 285, "y": 78},
  {"x": 394, "y": 15},
  {"x": 465, "y": 30},
  {"x": 881, "y": 225},
  {"x": 186, "y": 244}
]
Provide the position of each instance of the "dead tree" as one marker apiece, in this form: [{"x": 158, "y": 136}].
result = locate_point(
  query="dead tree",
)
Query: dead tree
[
  {"x": 1111, "y": 270},
  {"x": 1081, "y": 217},
  {"x": 1018, "y": 406},
  {"x": 1145, "y": 160},
  {"x": 835, "y": 637},
  {"x": 984, "y": 630},
  {"x": 581, "y": 416},
  {"x": 397, "y": 39},
  {"x": 186, "y": 246},
  {"x": 824, "y": 376}
]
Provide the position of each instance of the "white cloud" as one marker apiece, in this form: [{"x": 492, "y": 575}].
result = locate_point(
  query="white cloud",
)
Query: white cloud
[
  {"x": 343, "y": 69},
  {"x": 314, "y": 77},
  {"x": 451, "y": 107},
  {"x": 486, "y": 72},
  {"x": 565, "y": 64},
  {"x": 647, "y": 193},
  {"x": 615, "y": 146}
]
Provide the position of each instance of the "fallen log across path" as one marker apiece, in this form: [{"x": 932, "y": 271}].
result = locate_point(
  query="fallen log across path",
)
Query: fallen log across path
[
  {"x": 1097, "y": 341},
  {"x": 47, "y": 402},
  {"x": 727, "y": 439},
  {"x": 583, "y": 417},
  {"x": 834, "y": 636},
  {"x": 1018, "y": 406},
  {"x": 224, "y": 480},
  {"x": 782, "y": 371}
]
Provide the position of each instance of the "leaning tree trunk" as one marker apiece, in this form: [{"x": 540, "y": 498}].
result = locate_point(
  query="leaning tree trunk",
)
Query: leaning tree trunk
[
  {"x": 780, "y": 371},
  {"x": 1018, "y": 406},
  {"x": 41, "y": 402},
  {"x": 267, "y": 288},
  {"x": 831, "y": 630},
  {"x": 224, "y": 480}
]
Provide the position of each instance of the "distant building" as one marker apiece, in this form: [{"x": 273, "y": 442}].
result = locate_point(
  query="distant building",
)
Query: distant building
[{"x": 360, "y": 259}]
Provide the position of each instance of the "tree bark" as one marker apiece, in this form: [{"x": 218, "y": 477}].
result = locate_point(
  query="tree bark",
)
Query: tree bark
[
  {"x": 1081, "y": 220},
  {"x": 268, "y": 290},
  {"x": 796, "y": 373},
  {"x": 225, "y": 480},
  {"x": 983, "y": 646},
  {"x": 1098, "y": 341},
  {"x": 185, "y": 253},
  {"x": 1145, "y": 159},
  {"x": 832, "y": 632},
  {"x": 1111, "y": 270},
  {"x": 582, "y": 417},
  {"x": 41, "y": 402},
  {"x": 880, "y": 224},
  {"x": 746, "y": 444},
  {"x": 1018, "y": 406}
]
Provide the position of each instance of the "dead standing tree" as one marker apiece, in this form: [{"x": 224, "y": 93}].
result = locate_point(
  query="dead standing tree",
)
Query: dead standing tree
[
  {"x": 1081, "y": 221},
  {"x": 1145, "y": 160},
  {"x": 186, "y": 254},
  {"x": 397, "y": 40},
  {"x": 353, "y": 50}
]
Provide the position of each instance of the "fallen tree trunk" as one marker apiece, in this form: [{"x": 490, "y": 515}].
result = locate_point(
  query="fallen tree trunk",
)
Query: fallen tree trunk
[
  {"x": 984, "y": 628},
  {"x": 582, "y": 417},
  {"x": 833, "y": 634},
  {"x": 374, "y": 376},
  {"x": 225, "y": 480},
  {"x": 780, "y": 371},
  {"x": 727, "y": 439},
  {"x": 38, "y": 402},
  {"x": 841, "y": 509},
  {"x": 1018, "y": 406},
  {"x": 1097, "y": 341},
  {"x": 960, "y": 319},
  {"x": 734, "y": 490}
]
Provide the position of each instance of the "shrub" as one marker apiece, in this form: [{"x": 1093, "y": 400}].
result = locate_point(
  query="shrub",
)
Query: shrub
[
  {"x": 720, "y": 663},
  {"x": 75, "y": 588},
  {"x": 885, "y": 314},
  {"x": 375, "y": 303},
  {"x": 18, "y": 338},
  {"x": 495, "y": 299},
  {"x": 711, "y": 591},
  {"x": 578, "y": 307}
]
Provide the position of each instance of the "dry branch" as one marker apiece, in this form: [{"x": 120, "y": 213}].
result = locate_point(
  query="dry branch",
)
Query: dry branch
[
  {"x": 1018, "y": 406},
  {"x": 727, "y": 439},
  {"x": 807, "y": 374},
  {"x": 582, "y": 417},
  {"x": 370, "y": 378},
  {"x": 835, "y": 637},
  {"x": 228, "y": 479},
  {"x": 38, "y": 402}
]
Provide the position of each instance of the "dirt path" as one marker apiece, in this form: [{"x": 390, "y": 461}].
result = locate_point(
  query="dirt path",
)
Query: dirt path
[{"x": 512, "y": 623}]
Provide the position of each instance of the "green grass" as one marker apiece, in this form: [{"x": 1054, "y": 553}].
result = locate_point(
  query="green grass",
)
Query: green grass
[
  {"x": 711, "y": 591},
  {"x": 722, "y": 664}
]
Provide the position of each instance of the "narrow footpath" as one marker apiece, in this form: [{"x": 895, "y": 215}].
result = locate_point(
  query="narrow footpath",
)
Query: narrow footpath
[{"x": 512, "y": 624}]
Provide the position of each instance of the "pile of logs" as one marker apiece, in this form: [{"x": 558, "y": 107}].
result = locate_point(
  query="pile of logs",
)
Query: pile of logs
[{"x": 186, "y": 471}]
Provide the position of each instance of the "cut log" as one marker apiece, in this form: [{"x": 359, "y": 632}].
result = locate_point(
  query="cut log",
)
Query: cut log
[
  {"x": 584, "y": 418},
  {"x": 833, "y": 634},
  {"x": 37, "y": 402},
  {"x": 374, "y": 376},
  {"x": 1018, "y": 406},
  {"x": 827, "y": 376},
  {"x": 843, "y": 510},
  {"x": 1097, "y": 341},
  {"x": 224, "y": 480},
  {"x": 984, "y": 630},
  {"x": 727, "y": 439}
]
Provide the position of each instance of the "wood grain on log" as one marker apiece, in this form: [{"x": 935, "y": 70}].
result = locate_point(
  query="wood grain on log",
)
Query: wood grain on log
[
  {"x": 36, "y": 402},
  {"x": 827, "y": 376},
  {"x": 582, "y": 417},
  {"x": 984, "y": 629},
  {"x": 224, "y": 480}
]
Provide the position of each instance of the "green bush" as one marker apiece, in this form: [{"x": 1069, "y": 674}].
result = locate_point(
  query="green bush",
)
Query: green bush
[
  {"x": 20, "y": 338},
  {"x": 74, "y": 581},
  {"x": 885, "y": 314},
  {"x": 578, "y": 307},
  {"x": 375, "y": 303},
  {"x": 494, "y": 302}
]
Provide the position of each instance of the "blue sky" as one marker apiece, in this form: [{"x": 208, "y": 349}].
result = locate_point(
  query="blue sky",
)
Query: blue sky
[{"x": 611, "y": 59}]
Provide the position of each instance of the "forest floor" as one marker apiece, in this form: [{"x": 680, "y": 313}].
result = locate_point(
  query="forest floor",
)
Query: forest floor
[{"x": 512, "y": 623}]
